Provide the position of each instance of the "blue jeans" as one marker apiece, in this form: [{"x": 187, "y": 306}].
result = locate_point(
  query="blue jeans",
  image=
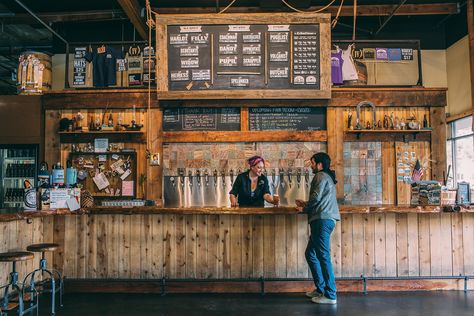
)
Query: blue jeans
[{"x": 318, "y": 256}]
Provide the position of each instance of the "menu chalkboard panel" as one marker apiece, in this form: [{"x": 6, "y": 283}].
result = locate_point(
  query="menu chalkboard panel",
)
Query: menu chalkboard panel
[
  {"x": 287, "y": 118},
  {"x": 201, "y": 119},
  {"x": 242, "y": 57}
]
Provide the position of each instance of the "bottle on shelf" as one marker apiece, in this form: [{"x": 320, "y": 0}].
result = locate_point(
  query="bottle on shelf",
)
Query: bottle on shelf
[{"x": 58, "y": 174}]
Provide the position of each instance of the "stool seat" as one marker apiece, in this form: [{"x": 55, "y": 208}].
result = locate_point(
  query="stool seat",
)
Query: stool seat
[
  {"x": 43, "y": 247},
  {"x": 16, "y": 256}
]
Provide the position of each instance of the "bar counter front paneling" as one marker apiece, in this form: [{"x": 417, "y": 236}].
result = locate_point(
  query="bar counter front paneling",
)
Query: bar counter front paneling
[{"x": 197, "y": 247}]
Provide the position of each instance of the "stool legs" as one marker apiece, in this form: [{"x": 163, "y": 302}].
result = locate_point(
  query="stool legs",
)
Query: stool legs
[
  {"x": 43, "y": 270},
  {"x": 13, "y": 284}
]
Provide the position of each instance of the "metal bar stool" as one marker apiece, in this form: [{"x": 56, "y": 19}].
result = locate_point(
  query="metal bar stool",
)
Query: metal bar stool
[
  {"x": 30, "y": 277},
  {"x": 14, "y": 285}
]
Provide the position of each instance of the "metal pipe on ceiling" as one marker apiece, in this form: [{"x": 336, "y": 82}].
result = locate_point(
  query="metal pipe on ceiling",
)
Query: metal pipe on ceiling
[
  {"x": 66, "y": 85},
  {"x": 402, "y": 2}
]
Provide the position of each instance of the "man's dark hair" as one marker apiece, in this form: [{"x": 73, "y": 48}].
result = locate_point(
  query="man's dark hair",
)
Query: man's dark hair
[{"x": 325, "y": 160}]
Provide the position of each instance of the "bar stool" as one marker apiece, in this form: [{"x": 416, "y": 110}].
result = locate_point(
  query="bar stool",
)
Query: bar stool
[
  {"x": 13, "y": 257},
  {"x": 30, "y": 277}
]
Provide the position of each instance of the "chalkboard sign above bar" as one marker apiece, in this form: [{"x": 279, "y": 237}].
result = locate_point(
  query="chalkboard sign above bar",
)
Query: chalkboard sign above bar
[
  {"x": 244, "y": 56},
  {"x": 201, "y": 119},
  {"x": 287, "y": 118}
]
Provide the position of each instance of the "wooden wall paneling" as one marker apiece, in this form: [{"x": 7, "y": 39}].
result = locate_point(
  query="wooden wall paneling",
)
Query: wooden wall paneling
[
  {"x": 247, "y": 246},
  {"x": 135, "y": 231},
  {"x": 258, "y": 244},
  {"x": 112, "y": 237},
  {"x": 358, "y": 254},
  {"x": 225, "y": 245},
  {"x": 390, "y": 245},
  {"x": 413, "y": 255},
  {"x": 162, "y": 61},
  {"x": 435, "y": 242},
  {"x": 25, "y": 234},
  {"x": 191, "y": 246},
  {"x": 201, "y": 246},
  {"x": 169, "y": 229},
  {"x": 424, "y": 244},
  {"x": 379, "y": 233},
  {"x": 48, "y": 230},
  {"x": 51, "y": 137},
  {"x": 457, "y": 243},
  {"x": 291, "y": 246},
  {"x": 243, "y": 136},
  {"x": 389, "y": 177},
  {"x": 446, "y": 245},
  {"x": 59, "y": 238},
  {"x": 214, "y": 256},
  {"x": 70, "y": 249},
  {"x": 369, "y": 244},
  {"x": 236, "y": 246},
  {"x": 81, "y": 248},
  {"x": 36, "y": 239},
  {"x": 4, "y": 233},
  {"x": 468, "y": 243},
  {"x": 438, "y": 142},
  {"x": 281, "y": 254},
  {"x": 146, "y": 247},
  {"x": 269, "y": 263},
  {"x": 347, "y": 245},
  {"x": 124, "y": 246},
  {"x": 92, "y": 247},
  {"x": 180, "y": 239},
  {"x": 336, "y": 249},
  {"x": 102, "y": 247},
  {"x": 402, "y": 244},
  {"x": 157, "y": 246},
  {"x": 303, "y": 237}
]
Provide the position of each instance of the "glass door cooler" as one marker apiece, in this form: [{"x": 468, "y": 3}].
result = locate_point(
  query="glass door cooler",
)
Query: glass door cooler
[{"x": 18, "y": 164}]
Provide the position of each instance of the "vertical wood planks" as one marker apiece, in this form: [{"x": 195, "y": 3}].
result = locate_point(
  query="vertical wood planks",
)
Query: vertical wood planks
[
  {"x": 402, "y": 245},
  {"x": 413, "y": 255},
  {"x": 379, "y": 235}
]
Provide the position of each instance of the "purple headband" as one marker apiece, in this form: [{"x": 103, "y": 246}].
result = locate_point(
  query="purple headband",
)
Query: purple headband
[{"x": 255, "y": 160}]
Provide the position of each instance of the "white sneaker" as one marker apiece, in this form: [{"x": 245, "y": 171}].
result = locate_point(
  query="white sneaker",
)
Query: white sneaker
[
  {"x": 323, "y": 300},
  {"x": 313, "y": 294}
]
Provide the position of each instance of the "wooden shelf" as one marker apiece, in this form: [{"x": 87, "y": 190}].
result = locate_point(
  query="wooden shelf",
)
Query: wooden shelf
[
  {"x": 113, "y": 136},
  {"x": 388, "y": 135}
]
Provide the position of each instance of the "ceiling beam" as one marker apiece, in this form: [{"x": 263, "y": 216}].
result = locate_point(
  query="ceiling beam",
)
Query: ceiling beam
[
  {"x": 362, "y": 10},
  {"x": 132, "y": 10},
  {"x": 57, "y": 17}
]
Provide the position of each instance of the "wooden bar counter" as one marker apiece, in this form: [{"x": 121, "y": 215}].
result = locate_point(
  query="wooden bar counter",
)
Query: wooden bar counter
[{"x": 147, "y": 244}]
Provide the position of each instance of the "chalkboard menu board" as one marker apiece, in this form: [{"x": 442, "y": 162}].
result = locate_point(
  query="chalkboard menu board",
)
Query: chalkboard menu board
[
  {"x": 243, "y": 57},
  {"x": 287, "y": 118},
  {"x": 201, "y": 119}
]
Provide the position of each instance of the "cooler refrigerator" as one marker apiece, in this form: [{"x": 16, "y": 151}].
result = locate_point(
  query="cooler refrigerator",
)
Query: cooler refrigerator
[{"x": 17, "y": 164}]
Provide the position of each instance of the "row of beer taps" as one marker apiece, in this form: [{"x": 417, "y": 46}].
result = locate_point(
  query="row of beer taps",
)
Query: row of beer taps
[{"x": 203, "y": 177}]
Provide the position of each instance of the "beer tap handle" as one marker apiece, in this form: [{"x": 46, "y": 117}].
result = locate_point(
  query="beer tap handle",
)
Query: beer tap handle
[
  {"x": 190, "y": 178},
  {"x": 231, "y": 173},
  {"x": 181, "y": 176},
  {"x": 206, "y": 177},
  {"x": 215, "y": 178},
  {"x": 290, "y": 173},
  {"x": 306, "y": 177},
  {"x": 223, "y": 177},
  {"x": 198, "y": 177},
  {"x": 298, "y": 177}
]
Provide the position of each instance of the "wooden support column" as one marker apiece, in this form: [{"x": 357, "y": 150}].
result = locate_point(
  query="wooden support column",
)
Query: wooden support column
[
  {"x": 438, "y": 143},
  {"x": 470, "y": 29},
  {"x": 335, "y": 145},
  {"x": 155, "y": 173}
]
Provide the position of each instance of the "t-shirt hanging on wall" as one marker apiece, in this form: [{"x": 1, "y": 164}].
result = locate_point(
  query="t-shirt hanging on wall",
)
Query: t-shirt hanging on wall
[
  {"x": 105, "y": 65},
  {"x": 336, "y": 67}
]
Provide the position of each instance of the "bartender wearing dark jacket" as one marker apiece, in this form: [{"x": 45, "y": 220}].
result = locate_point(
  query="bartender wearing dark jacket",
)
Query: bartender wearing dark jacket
[{"x": 251, "y": 187}]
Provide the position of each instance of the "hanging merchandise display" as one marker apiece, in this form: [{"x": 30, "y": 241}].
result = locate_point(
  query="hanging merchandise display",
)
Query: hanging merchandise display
[
  {"x": 349, "y": 71},
  {"x": 336, "y": 67},
  {"x": 104, "y": 60},
  {"x": 135, "y": 66}
]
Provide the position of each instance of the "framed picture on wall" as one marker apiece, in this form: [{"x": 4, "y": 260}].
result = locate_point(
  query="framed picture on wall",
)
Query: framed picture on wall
[{"x": 463, "y": 196}]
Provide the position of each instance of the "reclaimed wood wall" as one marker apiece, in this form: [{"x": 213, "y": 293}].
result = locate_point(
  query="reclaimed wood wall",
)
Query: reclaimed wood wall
[
  {"x": 16, "y": 236},
  {"x": 254, "y": 246}
]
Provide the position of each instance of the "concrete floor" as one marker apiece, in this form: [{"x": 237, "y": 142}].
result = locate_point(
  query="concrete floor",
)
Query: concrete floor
[{"x": 382, "y": 303}]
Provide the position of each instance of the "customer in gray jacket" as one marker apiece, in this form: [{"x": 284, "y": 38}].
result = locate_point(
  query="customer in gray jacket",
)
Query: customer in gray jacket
[{"x": 323, "y": 212}]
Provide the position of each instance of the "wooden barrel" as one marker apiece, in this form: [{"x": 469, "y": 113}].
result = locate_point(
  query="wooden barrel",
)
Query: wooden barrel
[
  {"x": 361, "y": 69},
  {"x": 34, "y": 73}
]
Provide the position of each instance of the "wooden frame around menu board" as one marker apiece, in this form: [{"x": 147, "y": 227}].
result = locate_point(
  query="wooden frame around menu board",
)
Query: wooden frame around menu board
[{"x": 163, "y": 22}]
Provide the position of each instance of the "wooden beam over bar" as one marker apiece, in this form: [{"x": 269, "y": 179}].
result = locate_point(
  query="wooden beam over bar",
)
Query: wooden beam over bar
[
  {"x": 132, "y": 9},
  {"x": 244, "y": 136},
  {"x": 362, "y": 10},
  {"x": 58, "y": 17}
]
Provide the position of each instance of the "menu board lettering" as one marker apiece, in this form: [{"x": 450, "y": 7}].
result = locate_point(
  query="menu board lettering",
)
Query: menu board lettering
[
  {"x": 287, "y": 118},
  {"x": 195, "y": 119}
]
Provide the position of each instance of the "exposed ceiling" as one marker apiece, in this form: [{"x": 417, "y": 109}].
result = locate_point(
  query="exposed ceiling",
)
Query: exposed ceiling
[{"x": 436, "y": 23}]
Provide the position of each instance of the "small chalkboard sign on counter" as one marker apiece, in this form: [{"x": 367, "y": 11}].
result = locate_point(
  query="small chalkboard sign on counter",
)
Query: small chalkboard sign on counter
[
  {"x": 270, "y": 53},
  {"x": 201, "y": 119},
  {"x": 287, "y": 118}
]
